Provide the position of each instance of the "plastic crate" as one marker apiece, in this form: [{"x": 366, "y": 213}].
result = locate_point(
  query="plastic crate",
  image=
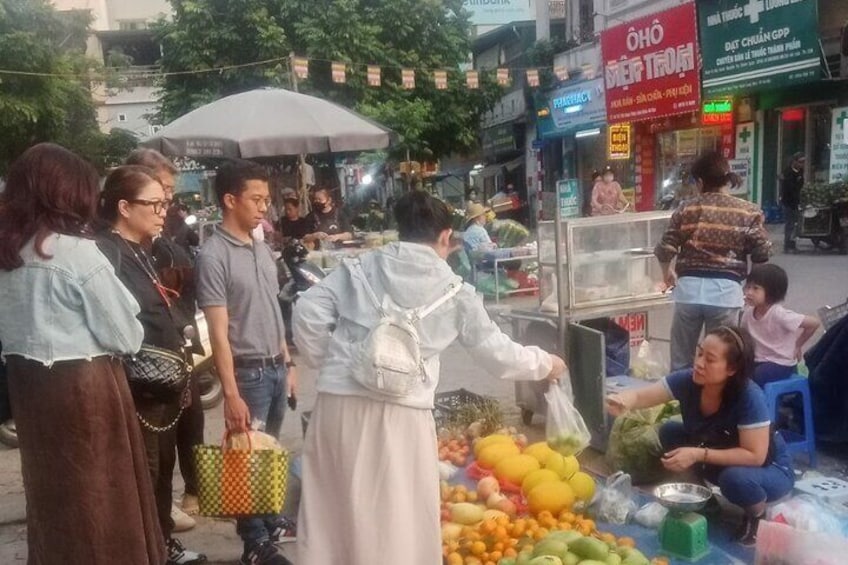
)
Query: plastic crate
[
  {"x": 815, "y": 223},
  {"x": 829, "y": 315},
  {"x": 452, "y": 401}
]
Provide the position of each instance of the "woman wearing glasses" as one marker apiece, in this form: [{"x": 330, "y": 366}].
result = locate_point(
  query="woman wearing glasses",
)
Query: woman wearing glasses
[{"x": 132, "y": 209}]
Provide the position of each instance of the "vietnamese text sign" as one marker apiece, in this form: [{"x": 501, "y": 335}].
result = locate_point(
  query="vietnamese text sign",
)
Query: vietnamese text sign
[
  {"x": 651, "y": 66},
  {"x": 839, "y": 147},
  {"x": 499, "y": 12},
  {"x": 569, "y": 200},
  {"x": 636, "y": 324},
  {"x": 619, "y": 141},
  {"x": 758, "y": 44}
]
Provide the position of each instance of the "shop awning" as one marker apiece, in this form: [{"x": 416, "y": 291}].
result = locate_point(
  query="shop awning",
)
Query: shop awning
[
  {"x": 496, "y": 168},
  {"x": 514, "y": 164}
]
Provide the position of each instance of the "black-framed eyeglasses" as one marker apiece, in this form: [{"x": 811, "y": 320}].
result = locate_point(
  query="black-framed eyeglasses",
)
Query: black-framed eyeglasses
[{"x": 158, "y": 205}]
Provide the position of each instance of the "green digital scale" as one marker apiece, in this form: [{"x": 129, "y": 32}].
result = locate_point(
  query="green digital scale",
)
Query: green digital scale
[{"x": 683, "y": 532}]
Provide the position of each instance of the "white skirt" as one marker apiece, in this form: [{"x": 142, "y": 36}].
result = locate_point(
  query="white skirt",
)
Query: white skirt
[{"x": 370, "y": 485}]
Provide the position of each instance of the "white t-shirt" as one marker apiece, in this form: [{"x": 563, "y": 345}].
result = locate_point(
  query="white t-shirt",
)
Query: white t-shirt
[{"x": 775, "y": 334}]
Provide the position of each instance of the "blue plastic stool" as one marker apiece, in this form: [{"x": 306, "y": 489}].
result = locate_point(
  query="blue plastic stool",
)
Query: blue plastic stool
[{"x": 795, "y": 443}]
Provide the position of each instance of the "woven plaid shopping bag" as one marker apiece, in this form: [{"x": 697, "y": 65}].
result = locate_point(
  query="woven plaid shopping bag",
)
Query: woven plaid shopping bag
[{"x": 240, "y": 482}]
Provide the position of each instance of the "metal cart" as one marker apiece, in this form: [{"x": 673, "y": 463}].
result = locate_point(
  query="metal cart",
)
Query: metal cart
[{"x": 590, "y": 268}]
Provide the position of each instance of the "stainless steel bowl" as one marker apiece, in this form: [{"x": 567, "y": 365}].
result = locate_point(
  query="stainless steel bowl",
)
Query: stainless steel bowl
[{"x": 683, "y": 497}]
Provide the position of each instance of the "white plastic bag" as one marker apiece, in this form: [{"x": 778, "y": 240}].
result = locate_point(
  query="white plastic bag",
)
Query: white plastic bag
[
  {"x": 615, "y": 502},
  {"x": 649, "y": 364},
  {"x": 651, "y": 515},
  {"x": 565, "y": 431}
]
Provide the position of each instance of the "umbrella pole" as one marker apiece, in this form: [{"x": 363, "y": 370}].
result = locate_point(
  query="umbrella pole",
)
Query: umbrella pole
[{"x": 305, "y": 204}]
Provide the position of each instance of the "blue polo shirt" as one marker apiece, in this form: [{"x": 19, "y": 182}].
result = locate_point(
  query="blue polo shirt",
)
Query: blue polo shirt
[{"x": 721, "y": 430}]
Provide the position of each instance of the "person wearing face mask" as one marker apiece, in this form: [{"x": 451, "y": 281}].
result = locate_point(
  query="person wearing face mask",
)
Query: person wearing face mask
[
  {"x": 132, "y": 211},
  {"x": 607, "y": 195},
  {"x": 330, "y": 222}
]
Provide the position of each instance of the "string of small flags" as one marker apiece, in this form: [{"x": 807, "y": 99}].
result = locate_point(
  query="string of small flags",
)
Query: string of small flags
[{"x": 503, "y": 76}]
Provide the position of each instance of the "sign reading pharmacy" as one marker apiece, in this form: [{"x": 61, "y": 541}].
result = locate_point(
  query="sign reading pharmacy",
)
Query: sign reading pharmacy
[
  {"x": 651, "y": 66},
  {"x": 757, "y": 44},
  {"x": 581, "y": 105},
  {"x": 499, "y": 12},
  {"x": 839, "y": 146}
]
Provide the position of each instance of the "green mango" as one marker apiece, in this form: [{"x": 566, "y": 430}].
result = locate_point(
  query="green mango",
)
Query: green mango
[
  {"x": 566, "y": 536},
  {"x": 550, "y": 546},
  {"x": 590, "y": 548},
  {"x": 592, "y": 562},
  {"x": 635, "y": 557},
  {"x": 614, "y": 559},
  {"x": 507, "y": 561},
  {"x": 545, "y": 560},
  {"x": 524, "y": 557},
  {"x": 570, "y": 559}
]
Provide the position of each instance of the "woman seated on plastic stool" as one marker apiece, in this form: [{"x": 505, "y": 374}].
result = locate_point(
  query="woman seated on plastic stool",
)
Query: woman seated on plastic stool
[{"x": 725, "y": 436}]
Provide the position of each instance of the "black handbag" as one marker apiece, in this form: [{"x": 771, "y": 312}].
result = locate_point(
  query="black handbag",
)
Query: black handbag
[{"x": 157, "y": 371}]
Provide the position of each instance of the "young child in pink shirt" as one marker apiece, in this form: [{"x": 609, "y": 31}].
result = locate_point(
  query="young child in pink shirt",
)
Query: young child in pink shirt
[{"x": 779, "y": 333}]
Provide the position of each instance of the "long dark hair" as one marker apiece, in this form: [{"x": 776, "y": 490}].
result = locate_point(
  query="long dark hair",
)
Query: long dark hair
[
  {"x": 48, "y": 190},
  {"x": 740, "y": 356},
  {"x": 124, "y": 183}
]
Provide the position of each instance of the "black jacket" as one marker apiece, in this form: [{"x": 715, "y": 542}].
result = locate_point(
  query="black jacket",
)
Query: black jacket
[
  {"x": 828, "y": 365},
  {"x": 792, "y": 183},
  {"x": 161, "y": 327}
]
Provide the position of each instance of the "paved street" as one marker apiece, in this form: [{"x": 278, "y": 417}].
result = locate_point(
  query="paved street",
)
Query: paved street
[{"x": 815, "y": 280}]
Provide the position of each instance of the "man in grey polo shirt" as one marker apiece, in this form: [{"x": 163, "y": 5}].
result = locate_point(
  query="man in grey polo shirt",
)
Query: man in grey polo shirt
[{"x": 237, "y": 289}]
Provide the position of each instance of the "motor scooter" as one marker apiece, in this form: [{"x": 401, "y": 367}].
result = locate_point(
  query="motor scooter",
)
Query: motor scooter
[
  {"x": 297, "y": 275},
  {"x": 826, "y": 226}
]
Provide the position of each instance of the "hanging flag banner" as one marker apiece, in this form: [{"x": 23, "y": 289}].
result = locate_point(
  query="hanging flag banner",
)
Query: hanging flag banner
[
  {"x": 408, "y": 78},
  {"x": 503, "y": 77},
  {"x": 561, "y": 72},
  {"x": 619, "y": 141},
  {"x": 651, "y": 66},
  {"x": 441, "y": 79},
  {"x": 373, "y": 75},
  {"x": 339, "y": 72},
  {"x": 588, "y": 72},
  {"x": 533, "y": 77},
  {"x": 301, "y": 67},
  {"x": 472, "y": 79}
]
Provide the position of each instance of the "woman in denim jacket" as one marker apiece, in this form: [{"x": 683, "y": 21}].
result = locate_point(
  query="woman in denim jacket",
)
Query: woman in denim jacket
[{"x": 64, "y": 320}]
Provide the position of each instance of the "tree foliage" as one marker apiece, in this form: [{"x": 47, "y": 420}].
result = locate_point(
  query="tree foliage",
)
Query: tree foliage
[
  {"x": 395, "y": 34},
  {"x": 35, "y": 38}
]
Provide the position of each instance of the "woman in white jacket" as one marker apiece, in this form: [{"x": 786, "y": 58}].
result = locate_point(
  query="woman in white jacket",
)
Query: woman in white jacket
[{"x": 370, "y": 475}]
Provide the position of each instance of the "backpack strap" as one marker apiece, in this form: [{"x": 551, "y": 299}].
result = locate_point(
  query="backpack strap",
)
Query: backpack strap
[
  {"x": 451, "y": 291},
  {"x": 355, "y": 266}
]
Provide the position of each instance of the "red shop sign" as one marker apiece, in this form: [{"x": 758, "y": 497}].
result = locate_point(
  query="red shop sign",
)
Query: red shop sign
[{"x": 651, "y": 66}]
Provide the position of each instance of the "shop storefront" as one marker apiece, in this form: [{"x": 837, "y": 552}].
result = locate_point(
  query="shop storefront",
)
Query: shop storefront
[
  {"x": 770, "y": 58},
  {"x": 652, "y": 83},
  {"x": 571, "y": 125},
  {"x": 503, "y": 150}
]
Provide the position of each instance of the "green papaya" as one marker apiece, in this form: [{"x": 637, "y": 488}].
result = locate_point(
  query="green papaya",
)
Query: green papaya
[{"x": 590, "y": 548}]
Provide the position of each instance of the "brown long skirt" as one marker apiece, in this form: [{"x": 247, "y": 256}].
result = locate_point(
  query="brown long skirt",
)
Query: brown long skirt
[
  {"x": 88, "y": 491},
  {"x": 370, "y": 485}
]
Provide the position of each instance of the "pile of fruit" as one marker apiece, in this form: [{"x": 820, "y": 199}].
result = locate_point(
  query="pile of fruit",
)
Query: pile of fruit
[
  {"x": 454, "y": 449},
  {"x": 525, "y": 510}
]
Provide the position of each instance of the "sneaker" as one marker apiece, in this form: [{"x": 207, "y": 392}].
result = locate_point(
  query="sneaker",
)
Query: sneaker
[
  {"x": 285, "y": 531},
  {"x": 190, "y": 504},
  {"x": 182, "y": 521},
  {"x": 263, "y": 554},
  {"x": 179, "y": 555},
  {"x": 747, "y": 533}
]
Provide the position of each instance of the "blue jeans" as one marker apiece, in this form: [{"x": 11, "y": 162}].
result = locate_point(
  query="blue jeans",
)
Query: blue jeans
[
  {"x": 767, "y": 372},
  {"x": 264, "y": 392},
  {"x": 686, "y": 326},
  {"x": 742, "y": 486}
]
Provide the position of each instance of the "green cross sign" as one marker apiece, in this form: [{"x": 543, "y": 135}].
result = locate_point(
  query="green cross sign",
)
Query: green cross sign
[
  {"x": 841, "y": 119},
  {"x": 745, "y": 134}
]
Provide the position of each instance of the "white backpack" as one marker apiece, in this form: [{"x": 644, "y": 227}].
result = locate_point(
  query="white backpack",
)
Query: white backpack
[{"x": 389, "y": 360}]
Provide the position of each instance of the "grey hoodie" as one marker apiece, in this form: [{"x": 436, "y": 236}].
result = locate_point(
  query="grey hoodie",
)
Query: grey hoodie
[{"x": 332, "y": 318}]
